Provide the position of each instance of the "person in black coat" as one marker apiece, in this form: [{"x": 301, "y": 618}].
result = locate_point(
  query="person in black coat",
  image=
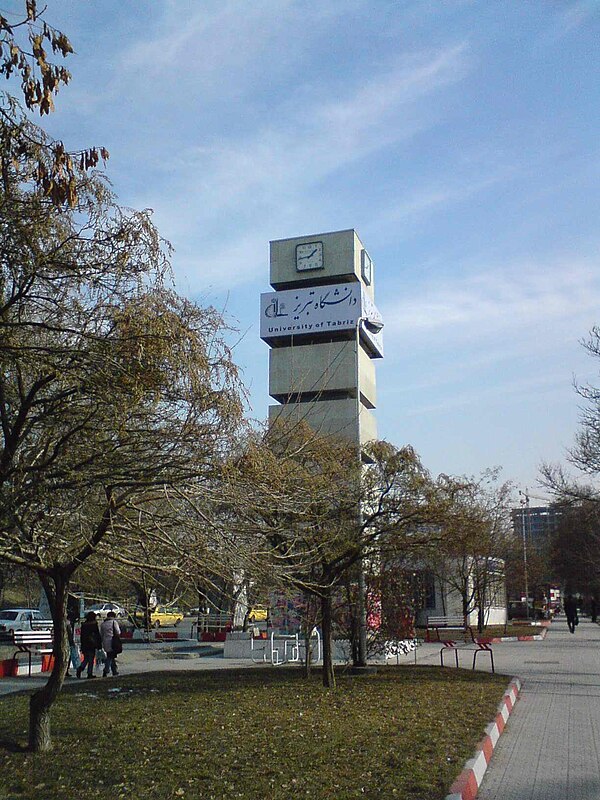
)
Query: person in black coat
[
  {"x": 73, "y": 649},
  {"x": 90, "y": 642},
  {"x": 571, "y": 612}
]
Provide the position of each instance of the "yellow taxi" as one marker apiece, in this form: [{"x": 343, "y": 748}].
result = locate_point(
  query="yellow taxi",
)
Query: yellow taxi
[
  {"x": 165, "y": 615},
  {"x": 258, "y": 614}
]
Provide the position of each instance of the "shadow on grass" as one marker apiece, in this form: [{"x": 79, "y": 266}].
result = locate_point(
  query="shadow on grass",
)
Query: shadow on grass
[
  {"x": 290, "y": 681},
  {"x": 224, "y": 681},
  {"x": 12, "y": 746}
]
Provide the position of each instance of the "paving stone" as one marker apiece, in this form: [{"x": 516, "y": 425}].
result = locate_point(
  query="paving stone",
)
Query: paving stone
[{"x": 550, "y": 749}]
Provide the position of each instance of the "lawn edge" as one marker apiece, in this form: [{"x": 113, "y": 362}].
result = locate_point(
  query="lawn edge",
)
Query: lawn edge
[
  {"x": 536, "y": 637},
  {"x": 467, "y": 784}
]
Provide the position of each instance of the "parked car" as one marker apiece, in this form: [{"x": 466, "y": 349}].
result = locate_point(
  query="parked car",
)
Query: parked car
[
  {"x": 101, "y": 610},
  {"x": 258, "y": 614},
  {"x": 165, "y": 615},
  {"x": 23, "y": 619}
]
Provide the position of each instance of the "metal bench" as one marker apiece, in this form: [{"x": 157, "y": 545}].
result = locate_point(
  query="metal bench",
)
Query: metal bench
[
  {"x": 456, "y": 623},
  {"x": 467, "y": 641},
  {"x": 29, "y": 642}
]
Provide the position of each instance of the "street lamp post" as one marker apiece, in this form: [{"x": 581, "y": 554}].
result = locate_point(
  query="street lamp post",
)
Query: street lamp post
[{"x": 524, "y": 517}]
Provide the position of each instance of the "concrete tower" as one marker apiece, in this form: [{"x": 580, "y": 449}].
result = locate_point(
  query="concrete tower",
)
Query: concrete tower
[{"x": 324, "y": 332}]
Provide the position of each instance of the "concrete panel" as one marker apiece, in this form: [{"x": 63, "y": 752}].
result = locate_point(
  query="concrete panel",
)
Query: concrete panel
[
  {"x": 366, "y": 371},
  {"x": 368, "y": 426},
  {"x": 330, "y": 418},
  {"x": 326, "y": 367},
  {"x": 341, "y": 260}
]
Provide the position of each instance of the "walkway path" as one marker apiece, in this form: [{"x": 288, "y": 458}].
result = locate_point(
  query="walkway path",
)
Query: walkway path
[
  {"x": 550, "y": 749},
  {"x": 551, "y": 746},
  {"x": 137, "y": 658}
]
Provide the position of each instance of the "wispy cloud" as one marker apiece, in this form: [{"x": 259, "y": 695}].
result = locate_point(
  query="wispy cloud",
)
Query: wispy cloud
[
  {"x": 210, "y": 40},
  {"x": 261, "y": 177},
  {"x": 481, "y": 303},
  {"x": 469, "y": 397},
  {"x": 317, "y": 138},
  {"x": 566, "y": 20},
  {"x": 425, "y": 200}
]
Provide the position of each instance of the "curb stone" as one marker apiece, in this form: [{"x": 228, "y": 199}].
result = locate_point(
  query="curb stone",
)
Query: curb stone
[
  {"x": 465, "y": 787},
  {"x": 536, "y": 637}
]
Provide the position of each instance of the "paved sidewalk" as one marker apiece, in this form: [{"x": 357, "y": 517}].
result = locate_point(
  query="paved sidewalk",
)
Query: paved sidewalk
[
  {"x": 156, "y": 657},
  {"x": 550, "y": 748}
]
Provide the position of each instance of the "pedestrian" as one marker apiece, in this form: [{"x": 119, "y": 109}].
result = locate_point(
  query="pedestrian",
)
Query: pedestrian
[
  {"x": 73, "y": 649},
  {"x": 90, "y": 642},
  {"x": 593, "y": 609},
  {"x": 571, "y": 612},
  {"x": 111, "y": 646}
]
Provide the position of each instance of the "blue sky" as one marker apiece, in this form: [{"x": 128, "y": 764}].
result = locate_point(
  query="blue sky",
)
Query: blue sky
[{"x": 460, "y": 140}]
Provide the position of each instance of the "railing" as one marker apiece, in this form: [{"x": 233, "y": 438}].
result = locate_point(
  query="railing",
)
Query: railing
[
  {"x": 205, "y": 623},
  {"x": 282, "y": 649}
]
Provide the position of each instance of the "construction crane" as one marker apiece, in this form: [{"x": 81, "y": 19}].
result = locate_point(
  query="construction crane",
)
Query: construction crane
[{"x": 527, "y": 496}]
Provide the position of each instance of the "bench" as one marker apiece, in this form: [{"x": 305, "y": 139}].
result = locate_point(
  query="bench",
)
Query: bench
[
  {"x": 29, "y": 642},
  {"x": 467, "y": 640},
  {"x": 453, "y": 623}
]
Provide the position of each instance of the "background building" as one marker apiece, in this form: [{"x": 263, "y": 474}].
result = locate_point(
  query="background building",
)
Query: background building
[{"x": 538, "y": 524}]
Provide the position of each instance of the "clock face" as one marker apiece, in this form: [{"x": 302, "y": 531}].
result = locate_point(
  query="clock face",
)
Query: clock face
[
  {"x": 366, "y": 268},
  {"x": 309, "y": 256}
]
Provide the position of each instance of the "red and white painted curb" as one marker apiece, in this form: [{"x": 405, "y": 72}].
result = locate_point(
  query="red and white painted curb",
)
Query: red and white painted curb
[
  {"x": 537, "y": 637},
  {"x": 467, "y": 784}
]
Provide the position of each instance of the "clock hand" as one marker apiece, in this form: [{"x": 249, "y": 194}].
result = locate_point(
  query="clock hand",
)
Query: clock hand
[{"x": 310, "y": 255}]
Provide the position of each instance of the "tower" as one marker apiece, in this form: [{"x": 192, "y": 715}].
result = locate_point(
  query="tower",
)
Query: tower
[{"x": 324, "y": 333}]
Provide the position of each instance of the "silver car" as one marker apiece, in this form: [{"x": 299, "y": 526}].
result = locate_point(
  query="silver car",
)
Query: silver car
[
  {"x": 101, "y": 610},
  {"x": 22, "y": 619}
]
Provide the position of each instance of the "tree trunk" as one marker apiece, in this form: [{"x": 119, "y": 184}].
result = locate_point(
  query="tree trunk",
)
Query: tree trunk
[
  {"x": 307, "y": 652},
  {"x": 143, "y": 600},
  {"x": 481, "y": 612},
  {"x": 40, "y": 739},
  {"x": 308, "y": 627},
  {"x": 309, "y": 624},
  {"x": 328, "y": 673},
  {"x": 354, "y": 606}
]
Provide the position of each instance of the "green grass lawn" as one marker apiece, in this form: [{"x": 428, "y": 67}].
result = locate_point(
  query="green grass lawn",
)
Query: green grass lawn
[{"x": 404, "y": 732}]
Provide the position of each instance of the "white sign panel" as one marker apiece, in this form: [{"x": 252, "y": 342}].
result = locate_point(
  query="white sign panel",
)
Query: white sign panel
[
  {"x": 317, "y": 309},
  {"x": 310, "y": 309}
]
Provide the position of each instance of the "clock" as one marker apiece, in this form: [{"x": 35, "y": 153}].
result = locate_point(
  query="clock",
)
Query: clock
[
  {"x": 309, "y": 256},
  {"x": 366, "y": 268}
]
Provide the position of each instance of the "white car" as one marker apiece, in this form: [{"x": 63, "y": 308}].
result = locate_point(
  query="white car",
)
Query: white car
[
  {"x": 22, "y": 619},
  {"x": 101, "y": 610}
]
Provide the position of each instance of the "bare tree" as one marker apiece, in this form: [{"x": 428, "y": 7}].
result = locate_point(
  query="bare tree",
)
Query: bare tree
[
  {"x": 25, "y": 42},
  {"x": 475, "y": 536},
  {"x": 301, "y": 493},
  {"x": 576, "y": 547},
  {"x": 115, "y": 394},
  {"x": 585, "y": 453}
]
